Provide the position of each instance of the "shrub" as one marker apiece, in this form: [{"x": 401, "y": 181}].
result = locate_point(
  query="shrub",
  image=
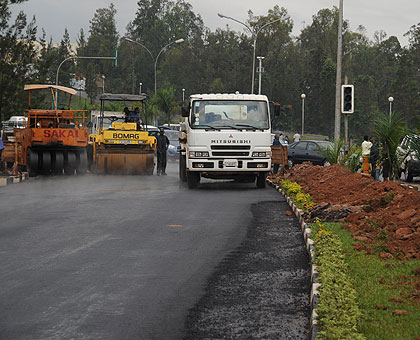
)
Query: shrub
[{"x": 337, "y": 310}]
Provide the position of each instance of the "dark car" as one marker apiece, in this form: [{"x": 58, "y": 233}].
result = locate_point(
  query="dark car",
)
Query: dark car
[{"x": 308, "y": 151}]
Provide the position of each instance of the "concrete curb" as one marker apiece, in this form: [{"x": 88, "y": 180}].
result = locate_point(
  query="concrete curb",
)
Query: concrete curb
[
  {"x": 5, "y": 180},
  {"x": 310, "y": 247}
]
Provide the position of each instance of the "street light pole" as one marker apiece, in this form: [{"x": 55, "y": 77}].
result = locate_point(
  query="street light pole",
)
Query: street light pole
[
  {"x": 303, "y": 96},
  {"x": 254, "y": 35},
  {"x": 390, "y": 99},
  {"x": 183, "y": 95},
  {"x": 157, "y": 57},
  {"x": 160, "y": 52},
  {"x": 140, "y": 87},
  {"x": 260, "y": 71},
  {"x": 103, "y": 84},
  {"x": 75, "y": 57}
]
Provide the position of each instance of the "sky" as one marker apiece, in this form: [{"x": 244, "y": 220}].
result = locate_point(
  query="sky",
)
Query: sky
[{"x": 394, "y": 17}]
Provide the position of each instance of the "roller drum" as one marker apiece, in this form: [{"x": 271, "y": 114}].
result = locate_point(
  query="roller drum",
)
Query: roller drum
[{"x": 124, "y": 163}]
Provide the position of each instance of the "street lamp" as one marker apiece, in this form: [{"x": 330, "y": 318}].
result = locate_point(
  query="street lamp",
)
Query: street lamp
[
  {"x": 103, "y": 84},
  {"x": 390, "y": 99},
  {"x": 303, "y": 96},
  {"x": 140, "y": 87},
  {"x": 163, "y": 48},
  {"x": 254, "y": 34},
  {"x": 157, "y": 57},
  {"x": 139, "y": 43},
  {"x": 183, "y": 94}
]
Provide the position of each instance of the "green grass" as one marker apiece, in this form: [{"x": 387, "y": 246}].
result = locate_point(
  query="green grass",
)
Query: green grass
[{"x": 366, "y": 272}]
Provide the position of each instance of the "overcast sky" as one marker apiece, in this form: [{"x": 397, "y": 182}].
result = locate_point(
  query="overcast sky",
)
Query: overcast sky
[{"x": 394, "y": 17}]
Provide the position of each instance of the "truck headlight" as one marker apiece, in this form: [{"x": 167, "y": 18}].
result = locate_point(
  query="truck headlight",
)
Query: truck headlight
[{"x": 193, "y": 154}]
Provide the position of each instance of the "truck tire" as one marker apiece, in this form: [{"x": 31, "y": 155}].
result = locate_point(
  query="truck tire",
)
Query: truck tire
[
  {"x": 182, "y": 168},
  {"x": 82, "y": 162},
  {"x": 193, "y": 178},
  {"x": 261, "y": 180},
  {"x": 32, "y": 162}
]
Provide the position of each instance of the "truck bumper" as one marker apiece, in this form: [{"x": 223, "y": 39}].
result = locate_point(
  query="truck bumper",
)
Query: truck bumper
[{"x": 229, "y": 165}]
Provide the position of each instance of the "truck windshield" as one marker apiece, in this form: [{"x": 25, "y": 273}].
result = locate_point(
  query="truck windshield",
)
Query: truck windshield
[{"x": 229, "y": 114}]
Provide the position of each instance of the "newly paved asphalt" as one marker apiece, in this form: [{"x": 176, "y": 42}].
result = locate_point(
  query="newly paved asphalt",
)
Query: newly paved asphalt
[{"x": 116, "y": 257}]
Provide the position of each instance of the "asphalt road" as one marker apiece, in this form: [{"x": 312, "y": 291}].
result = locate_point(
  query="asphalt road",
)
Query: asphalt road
[{"x": 118, "y": 257}]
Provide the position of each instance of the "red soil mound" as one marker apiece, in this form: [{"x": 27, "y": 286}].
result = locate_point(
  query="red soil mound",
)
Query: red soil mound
[{"x": 384, "y": 216}]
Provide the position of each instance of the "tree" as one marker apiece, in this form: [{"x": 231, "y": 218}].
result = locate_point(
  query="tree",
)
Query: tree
[
  {"x": 102, "y": 42},
  {"x": 158, "y": 23},
  {"x": 64, "y": 52},
  {"x": 389, "y": 131},
  {"x": 17, "y": 54},
  {"x": 164, "y": 101}
]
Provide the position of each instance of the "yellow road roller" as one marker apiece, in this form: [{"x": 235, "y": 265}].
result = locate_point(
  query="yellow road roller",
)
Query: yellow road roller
[{"x": 124, "y": 146}]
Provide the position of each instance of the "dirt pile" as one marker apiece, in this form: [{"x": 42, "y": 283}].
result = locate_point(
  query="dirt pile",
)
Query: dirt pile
[{"x": 384, "y": 217}]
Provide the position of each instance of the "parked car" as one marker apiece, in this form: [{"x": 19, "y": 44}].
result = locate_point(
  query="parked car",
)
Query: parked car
[
  {"x": 308, "y": 151},
  {"x": 173, "y": 149},
  {"x": 409, "y": 164}
]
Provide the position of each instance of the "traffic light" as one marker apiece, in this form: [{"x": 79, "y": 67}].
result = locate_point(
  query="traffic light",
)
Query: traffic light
[{"x": 347, "y": 99}]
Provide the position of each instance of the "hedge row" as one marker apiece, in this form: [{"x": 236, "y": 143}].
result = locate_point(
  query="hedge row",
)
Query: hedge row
[{"x": 337, "y": 309}]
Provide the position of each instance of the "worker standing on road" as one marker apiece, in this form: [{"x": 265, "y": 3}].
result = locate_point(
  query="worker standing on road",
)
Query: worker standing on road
[
  {"x": 162, "y": 147},
  {"x": 1, "y": 150},
  {"x": 276, "y": 142},
  {"x": 366, "y": 146}
]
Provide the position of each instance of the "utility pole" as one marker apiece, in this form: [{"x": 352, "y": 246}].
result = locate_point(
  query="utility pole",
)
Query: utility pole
[
  {"x": 337, "y": 121},
  {"x": 303, "y": 96}
]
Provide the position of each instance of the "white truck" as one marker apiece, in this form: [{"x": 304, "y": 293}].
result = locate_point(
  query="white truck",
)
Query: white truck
[{"x": 226, "y": 136}]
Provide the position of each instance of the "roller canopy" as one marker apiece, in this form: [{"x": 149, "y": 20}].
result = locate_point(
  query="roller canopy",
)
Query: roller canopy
[
  {"x": 55, "y": 87},
  {"x": 122, "y": 97}
]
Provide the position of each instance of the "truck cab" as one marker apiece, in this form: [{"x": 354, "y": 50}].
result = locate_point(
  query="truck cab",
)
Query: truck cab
[{"x": 226, "y": 136}]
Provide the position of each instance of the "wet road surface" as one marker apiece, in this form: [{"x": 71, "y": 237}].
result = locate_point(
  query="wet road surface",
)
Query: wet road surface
[
  {"x": 260, "y": 291},
  {"x": 123, "y": 257}
]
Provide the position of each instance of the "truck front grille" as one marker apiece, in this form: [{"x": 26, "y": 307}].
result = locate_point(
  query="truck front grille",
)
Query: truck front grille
[
  {"x": 230, "y": 154},
  {"x": 231, "y": 147}
]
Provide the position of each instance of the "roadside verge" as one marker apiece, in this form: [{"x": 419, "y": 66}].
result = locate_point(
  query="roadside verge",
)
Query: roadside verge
[
  {"x": 307, "y": 233},
  {"x": 5, "y": 180}
]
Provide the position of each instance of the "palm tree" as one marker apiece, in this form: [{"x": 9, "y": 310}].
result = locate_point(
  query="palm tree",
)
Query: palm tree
[
  {"x": 164, "y": 101},
  {"x": 389, "y": 131}
]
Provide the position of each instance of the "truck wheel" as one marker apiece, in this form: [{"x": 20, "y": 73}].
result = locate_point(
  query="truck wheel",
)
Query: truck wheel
[
  {"x": 193, "y": 178},
  {"x": 182, "y": 168},
  {"x": 261, "y": 180},
  {"x": 409, "y": 176}
]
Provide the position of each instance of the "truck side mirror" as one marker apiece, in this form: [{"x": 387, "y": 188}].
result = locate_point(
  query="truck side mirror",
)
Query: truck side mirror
[
  {"x": 277, "y": 109},
  {"x": 185, "y": 111}
]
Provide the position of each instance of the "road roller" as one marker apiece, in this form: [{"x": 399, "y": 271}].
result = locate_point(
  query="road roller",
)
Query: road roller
[
  {"x": 125, "y": 146},
  {"x": 53, "y": 141}
]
